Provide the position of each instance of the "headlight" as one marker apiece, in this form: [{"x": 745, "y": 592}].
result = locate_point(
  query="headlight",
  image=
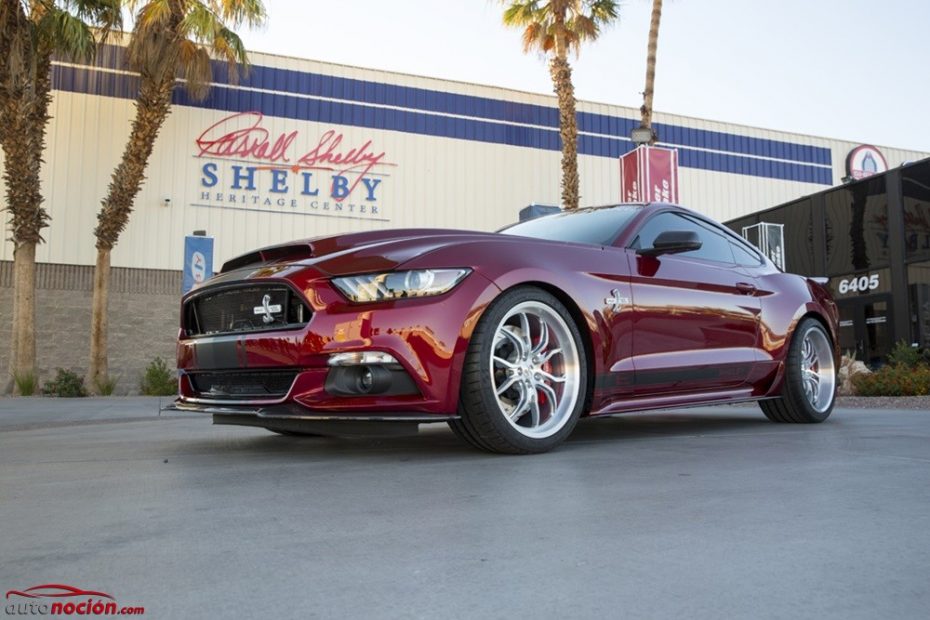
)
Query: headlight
[{"x": 393, "y": 285}]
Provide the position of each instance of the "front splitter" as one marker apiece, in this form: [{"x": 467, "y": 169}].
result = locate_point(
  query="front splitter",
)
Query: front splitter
[{"x": 295, "y": 419}]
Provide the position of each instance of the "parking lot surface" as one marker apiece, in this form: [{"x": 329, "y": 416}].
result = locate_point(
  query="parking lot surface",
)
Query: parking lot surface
[{"x": 703, "y": 513}]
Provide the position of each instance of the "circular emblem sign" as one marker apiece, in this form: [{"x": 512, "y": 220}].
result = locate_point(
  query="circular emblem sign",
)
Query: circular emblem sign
[
  {"x": 198, "y": 267},
  {"x": 864, "y": 161}
]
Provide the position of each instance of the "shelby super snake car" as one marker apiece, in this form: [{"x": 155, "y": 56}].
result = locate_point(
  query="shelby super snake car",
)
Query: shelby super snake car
[{"x": 508, "y": 337}]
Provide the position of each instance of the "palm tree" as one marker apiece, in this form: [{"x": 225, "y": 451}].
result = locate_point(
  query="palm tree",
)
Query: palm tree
[
  {"x": 555, "y": 28},
  {"x": 646, "y": 109},
  {"x": 171, "y": 39},
  {"x": 31, "y": 31}
]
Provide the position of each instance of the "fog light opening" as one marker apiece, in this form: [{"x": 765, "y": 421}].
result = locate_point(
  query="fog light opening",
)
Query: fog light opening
[{"x": 366, "y": 379}]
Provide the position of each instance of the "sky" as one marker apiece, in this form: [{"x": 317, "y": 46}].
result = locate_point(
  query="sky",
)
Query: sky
[{"x": 847, "y": 69}]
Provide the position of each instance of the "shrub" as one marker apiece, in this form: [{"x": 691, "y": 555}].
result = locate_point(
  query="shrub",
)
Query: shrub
[
  {"x": 158, "y": 379},
  {"x": 26, "y": 383},
  {"x": 65, "y": 384},
  {"x": 903, "y": 354},
  {"x": 925, "y": 356},
  {"x": 105, "y": 387},
  {"x": 894, "y": 380}
]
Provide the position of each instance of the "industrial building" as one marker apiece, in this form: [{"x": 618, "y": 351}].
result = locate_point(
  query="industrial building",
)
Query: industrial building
[{"x": 301, "y": 148}]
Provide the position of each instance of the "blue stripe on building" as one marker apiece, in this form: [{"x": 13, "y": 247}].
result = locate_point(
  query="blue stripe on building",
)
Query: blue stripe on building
[
  {"x": 362, "y": 91},
  {"x": 232, "y": 99}
]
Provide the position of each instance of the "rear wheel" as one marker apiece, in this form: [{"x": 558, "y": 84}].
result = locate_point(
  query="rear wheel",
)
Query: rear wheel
[
  {"x": 809, "y": 390},
  {"x": 525, "y": 375}
]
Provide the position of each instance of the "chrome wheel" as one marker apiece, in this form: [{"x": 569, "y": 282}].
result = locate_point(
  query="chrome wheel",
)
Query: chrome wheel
[
  {"x": 818, "y": 372},
  {"x": 535, "y": 370}
]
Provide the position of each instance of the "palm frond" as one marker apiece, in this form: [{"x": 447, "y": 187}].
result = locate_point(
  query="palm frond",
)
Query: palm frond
[
  {"x": 522, "y": 12},
  {"x": 182, "y": 36},
  {"x": 196, "y": 68},
  {"x": 152, "y": 15},
  {"x": 251, "y": 12},
  {"x": 229, "y": 46},
  {"x": 559, "y": 24},
  {"x": 200, "y": 23},
  {"x": 67, "y": 34}
]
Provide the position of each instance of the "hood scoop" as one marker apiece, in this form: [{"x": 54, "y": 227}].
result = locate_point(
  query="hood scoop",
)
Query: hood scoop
[{"x": 277, "y": 253}]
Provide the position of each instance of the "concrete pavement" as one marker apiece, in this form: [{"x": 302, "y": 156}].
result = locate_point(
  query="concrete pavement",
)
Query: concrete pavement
[{"x": 704, "y": 513}]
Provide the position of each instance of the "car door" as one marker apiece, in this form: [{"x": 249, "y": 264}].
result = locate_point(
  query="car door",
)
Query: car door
[{"x": 695, "y": 314}]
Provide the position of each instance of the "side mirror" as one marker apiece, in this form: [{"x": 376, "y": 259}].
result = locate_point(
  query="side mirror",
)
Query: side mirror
[{"x": 673, "y": 242}]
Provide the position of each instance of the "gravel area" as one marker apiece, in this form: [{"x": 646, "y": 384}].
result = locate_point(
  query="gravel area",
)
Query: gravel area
[{"x": 884, "y": 402}]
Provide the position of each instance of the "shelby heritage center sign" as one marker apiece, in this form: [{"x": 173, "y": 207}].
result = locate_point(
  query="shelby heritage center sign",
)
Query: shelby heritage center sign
[{"x": 245, "y": 165}]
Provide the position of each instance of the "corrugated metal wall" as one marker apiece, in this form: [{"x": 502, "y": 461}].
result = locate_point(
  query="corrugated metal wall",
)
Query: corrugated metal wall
[{"x": 455, "y": 155}]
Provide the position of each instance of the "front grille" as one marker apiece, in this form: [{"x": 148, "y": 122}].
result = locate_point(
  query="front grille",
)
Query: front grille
[
  {"x": 244, "y": 309},
  {"x": 229, "y": 385}
]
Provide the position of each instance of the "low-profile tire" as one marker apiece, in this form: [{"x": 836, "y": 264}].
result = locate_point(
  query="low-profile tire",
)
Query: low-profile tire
[
  {"x": 809, "y": 388},
  {"x": 524, "y": 380},
  {"x": 461, "y": 431}
]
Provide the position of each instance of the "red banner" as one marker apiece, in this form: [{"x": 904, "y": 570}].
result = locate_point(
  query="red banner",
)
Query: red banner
[{"x": 649, "y": 174}]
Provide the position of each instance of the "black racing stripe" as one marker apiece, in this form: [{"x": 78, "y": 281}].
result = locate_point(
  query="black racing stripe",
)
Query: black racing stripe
[
  {"x": 614, "y": 380},
  {"x": 671, "y": 375}
]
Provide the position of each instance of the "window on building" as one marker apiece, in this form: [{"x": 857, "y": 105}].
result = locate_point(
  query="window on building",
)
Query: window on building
[
  {"x": 797, "y": 220},
  {"x": 857, "y": 227},
  {"x": 915, "y": 190},
  {"x": 918, "y": 289}
]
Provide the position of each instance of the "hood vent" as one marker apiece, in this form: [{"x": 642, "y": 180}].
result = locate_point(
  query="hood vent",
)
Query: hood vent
[{"x": 264, "y": 256}]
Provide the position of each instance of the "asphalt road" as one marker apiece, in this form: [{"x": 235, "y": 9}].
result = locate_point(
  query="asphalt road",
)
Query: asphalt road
[{"x": 708, "y": 513}]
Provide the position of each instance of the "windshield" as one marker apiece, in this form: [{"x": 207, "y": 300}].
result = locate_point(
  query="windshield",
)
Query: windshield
[{"x": 597, "y": 226}]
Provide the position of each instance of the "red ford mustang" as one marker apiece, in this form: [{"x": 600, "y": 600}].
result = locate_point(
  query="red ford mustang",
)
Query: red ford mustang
[{"x": 509, "y": 337}]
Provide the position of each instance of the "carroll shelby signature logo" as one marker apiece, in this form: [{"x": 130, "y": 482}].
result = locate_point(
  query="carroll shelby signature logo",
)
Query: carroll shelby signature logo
[
  {"x": 267, "y": 309},
  {"x": 242, "y": 136}
]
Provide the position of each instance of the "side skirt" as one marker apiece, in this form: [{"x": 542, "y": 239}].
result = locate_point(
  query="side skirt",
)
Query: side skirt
[{"x": 679, "y": 401}]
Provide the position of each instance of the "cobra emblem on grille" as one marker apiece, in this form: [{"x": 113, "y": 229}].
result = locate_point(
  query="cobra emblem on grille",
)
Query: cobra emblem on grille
[{"x": 267, "y": 309}]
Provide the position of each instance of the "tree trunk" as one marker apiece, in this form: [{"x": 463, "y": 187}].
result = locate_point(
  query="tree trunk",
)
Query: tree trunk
[
  {"x": 568, "y": 128},
  {"x": 24, "y": 116},
  {"x": 99, "y": 367},
  {"x": 152, "y": 107},
  {"x": 23, "y": 354},
  {"x": 652, "y": 46}
]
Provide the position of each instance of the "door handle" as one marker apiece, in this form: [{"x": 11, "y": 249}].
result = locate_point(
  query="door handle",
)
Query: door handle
[{"x": 746, "y": 288}]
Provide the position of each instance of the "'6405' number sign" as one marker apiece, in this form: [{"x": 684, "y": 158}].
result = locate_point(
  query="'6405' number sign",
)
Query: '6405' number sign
[{"x": 860, "y": 284}]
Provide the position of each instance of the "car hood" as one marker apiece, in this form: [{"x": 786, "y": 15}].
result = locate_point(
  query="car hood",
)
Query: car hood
[{"x": 379, "y": 250}]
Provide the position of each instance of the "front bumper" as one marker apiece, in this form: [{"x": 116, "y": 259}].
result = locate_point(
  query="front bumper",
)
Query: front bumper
[{"x": 427, "y": 337}]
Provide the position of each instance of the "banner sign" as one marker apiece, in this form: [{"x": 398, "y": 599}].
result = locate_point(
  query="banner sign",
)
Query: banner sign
[
  {"x": 198, "y": 261},
  {"x": 649, "y": 174}
]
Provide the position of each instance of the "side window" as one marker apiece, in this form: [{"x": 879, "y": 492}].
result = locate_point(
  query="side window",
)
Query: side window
[
  {"x": 713, "y": 245},
  {"x": 744, "y": 257}
]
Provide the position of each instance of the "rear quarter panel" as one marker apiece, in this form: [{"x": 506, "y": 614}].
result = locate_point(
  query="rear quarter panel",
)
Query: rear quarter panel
[{"x": 786, "y": 299}]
